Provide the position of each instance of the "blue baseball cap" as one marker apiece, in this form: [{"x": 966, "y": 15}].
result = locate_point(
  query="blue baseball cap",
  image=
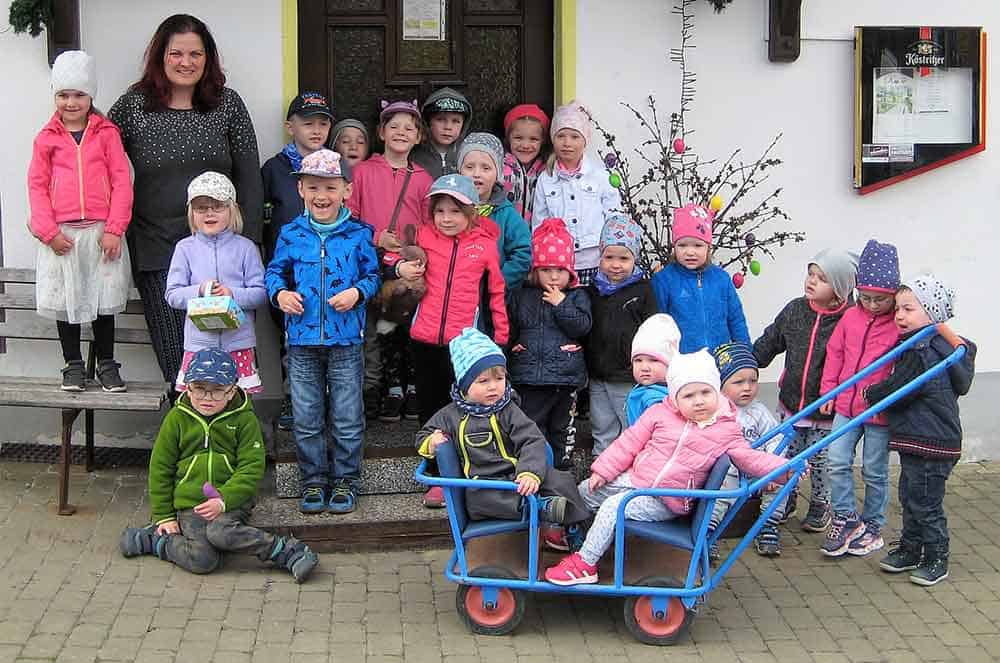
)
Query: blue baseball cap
[
  {"x": 213, "y": 366},
  {"x": 459, "y": 187}
]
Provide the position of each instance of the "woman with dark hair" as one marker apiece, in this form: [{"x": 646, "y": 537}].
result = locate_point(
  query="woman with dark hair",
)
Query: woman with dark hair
[{"x": 177, "y": 122}]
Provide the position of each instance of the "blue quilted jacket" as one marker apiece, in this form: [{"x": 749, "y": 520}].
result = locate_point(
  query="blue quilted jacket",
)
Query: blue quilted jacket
[
  {"x": 318, "y": 270},
  {"x": 703, "y": 303}
]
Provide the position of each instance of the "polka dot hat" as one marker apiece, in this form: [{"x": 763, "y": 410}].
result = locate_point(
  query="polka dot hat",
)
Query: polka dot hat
[
  {"x": 552, "y": 246},
  {"x": 878, "y": 267},
  {"x": 937, "y": 298}
]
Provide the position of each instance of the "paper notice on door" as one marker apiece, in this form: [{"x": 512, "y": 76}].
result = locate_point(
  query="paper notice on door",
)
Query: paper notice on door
[{"x": 424, "y": 20}]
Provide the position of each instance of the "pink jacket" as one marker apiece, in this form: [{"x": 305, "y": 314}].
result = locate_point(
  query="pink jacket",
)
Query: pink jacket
[
  {"x": 375, "y": 187},
  {"x": 665, "y": 450},
  {"x": 858, "y": 340},
  {"x": 69, "y": 182}
]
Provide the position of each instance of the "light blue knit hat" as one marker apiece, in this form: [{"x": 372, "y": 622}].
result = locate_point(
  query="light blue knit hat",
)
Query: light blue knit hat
[
  {"x": 619, "y": 230},
  {"x": 472, "y": 352}
]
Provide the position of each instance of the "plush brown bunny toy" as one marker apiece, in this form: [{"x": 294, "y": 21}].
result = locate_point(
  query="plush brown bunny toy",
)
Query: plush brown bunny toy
[{"x": 398, "y": 298}]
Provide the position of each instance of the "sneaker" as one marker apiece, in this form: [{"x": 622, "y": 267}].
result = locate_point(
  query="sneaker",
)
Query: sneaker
[
  {"x": 286, "y": 421},
  {"x": 768, "y": 541},
  {"x": 344, "y": 498},
  {"x": 411, "y": 407},
  {"x": 789, "y": 508},
  {"x": 552, "y": 509},
  {"x": 842, "y": 533},
  {"x": 392, "y": 408},
  {"x": 817, "y": 518},
  {"x": 554, "y": 538},
  {"x": 109, "y": 377},
  {"x": 74, "y": 376},
  {"x": 901, "y": 558},
  {"x": 296, "y": 557},
  {"x": 930, "y": 572},
  {"x": 371, "y": 400},
  {"x": 434, "y": 498},
  {"x": 868, "y": 542},
  {"x": 572, "y": 570},
  {"x": 313, "y": 500}
]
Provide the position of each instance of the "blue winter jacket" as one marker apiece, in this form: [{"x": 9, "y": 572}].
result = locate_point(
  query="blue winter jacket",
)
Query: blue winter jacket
[
  {"x": 641, "y": 398},
  {"x": 703, "y": 303},
  {"x": 514, "y": 244},
  {"x": 318, "y": 271},
  {"x": 543, "y": 330}
]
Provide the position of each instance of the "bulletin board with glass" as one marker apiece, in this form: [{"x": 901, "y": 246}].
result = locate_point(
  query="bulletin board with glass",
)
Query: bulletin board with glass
[{"x": 920, "y": 101}]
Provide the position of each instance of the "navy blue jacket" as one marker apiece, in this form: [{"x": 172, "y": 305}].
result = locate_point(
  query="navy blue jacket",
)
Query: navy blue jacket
[
  {"x": 281, "y": 191},
  {"x": 926, "y": 422},
  {"x": 543, "y": 329},
  {"x": 703, "y": 303},
  {"x": 318, "y": 270}
]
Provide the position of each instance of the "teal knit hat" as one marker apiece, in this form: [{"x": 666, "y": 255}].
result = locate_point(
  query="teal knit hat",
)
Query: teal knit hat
[{"x": 472, "y": 352}]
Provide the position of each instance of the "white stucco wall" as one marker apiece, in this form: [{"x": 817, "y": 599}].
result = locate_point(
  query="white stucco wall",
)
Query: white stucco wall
[
  {"x": 116, "y": 33},
  {"x": 943, "y": 220}
]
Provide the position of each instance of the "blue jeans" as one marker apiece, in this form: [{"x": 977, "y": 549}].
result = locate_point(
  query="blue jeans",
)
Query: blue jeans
[
  {"x": 921, "y": 494},
  {"x": 874, "y": 470},
  {"x": 326, "y": 394}
]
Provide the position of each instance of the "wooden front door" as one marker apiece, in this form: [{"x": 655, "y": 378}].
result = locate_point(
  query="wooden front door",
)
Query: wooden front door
[{"x": 496, "y": 52}]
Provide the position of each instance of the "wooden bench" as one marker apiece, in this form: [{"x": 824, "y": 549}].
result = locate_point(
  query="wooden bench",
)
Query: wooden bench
[{"x": 18, "y": 321}]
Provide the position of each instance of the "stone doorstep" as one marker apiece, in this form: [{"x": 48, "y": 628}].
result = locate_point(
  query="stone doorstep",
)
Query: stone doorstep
[
  {"x": 379, "y": 476},
  {"x": 381, "y": 522}
]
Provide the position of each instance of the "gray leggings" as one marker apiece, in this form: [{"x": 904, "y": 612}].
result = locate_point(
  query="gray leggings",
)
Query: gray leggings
[
  {"x": 197, "y": 548},
  {"x": 605, "y": 501}
]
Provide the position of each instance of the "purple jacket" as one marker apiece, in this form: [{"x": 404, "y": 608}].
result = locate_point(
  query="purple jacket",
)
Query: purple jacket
[{"x": 232, "y": 260}]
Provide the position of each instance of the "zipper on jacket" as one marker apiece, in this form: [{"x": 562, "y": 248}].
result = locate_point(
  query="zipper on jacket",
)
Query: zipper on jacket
[
  {"x": 447, "y": 292},
  {"x": 857, "y": 365},
  {"x": 805, "y": 367},
  {"x": 322, "y": 281},
  {"x": 79, "y": 169},
  {"x": 701, "y": 305},
  {"x": 215, "y": 256},
  {"x": 670, "y": 461}
]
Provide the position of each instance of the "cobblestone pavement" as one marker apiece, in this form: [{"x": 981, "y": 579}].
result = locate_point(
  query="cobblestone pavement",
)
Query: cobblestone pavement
[{"x": 69, "y": 596}]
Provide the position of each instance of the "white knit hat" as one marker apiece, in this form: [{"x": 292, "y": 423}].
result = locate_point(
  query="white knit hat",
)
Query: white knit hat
[
  {"x": 657, "y": 337},
  {"x": 686, "y": 369},
  {"x": 75, "y": 70}
]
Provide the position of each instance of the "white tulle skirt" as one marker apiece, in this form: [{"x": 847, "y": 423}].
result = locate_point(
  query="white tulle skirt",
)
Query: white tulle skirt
[{"x": 81, "y": 285}]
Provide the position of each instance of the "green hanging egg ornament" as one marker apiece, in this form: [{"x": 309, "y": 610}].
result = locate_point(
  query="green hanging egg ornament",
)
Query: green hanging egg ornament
[
  {"x": 615, "y": 179},
  {"x": 755, "y": 267}
]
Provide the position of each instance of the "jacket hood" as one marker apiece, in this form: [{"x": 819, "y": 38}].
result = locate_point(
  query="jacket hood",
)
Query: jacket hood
[
  {"x": 960, "y": 373},
  {"x": 498, "y": 197},
  {"x": 95, "y": 122}
]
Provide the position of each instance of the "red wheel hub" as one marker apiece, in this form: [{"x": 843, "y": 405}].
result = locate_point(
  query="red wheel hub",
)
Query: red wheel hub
[
  {"x": 667, "y": 626},
  {"x": 501, "y": 612}
]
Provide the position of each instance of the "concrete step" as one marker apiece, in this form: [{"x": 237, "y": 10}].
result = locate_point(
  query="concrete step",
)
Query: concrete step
[{"x": 379, "y": 476}]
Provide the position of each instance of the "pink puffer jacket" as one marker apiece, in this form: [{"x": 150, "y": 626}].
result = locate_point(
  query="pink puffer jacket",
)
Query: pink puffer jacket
[
  {"x": 69, "y": 182},
  {"x": 665, "y": 450},
  {"x": 858, "y": 340}
]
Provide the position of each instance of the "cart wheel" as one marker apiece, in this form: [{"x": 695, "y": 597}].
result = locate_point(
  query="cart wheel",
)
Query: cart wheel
[
  {"x": 656, "y": 629},
  {"x": 498, "y": 619}
]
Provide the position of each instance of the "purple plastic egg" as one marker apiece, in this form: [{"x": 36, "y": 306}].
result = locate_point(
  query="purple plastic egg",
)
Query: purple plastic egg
[
  {"x": 610, "y": 159},
  {"x": 210, "y": 491}
]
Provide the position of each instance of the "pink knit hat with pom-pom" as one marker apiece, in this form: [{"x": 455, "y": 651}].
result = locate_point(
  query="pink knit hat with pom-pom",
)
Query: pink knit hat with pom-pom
[{"x": 552, "y": 246}]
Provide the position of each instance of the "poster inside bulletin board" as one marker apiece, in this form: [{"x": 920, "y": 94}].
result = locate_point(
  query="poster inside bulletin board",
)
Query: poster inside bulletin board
[{"x": 920, "y": 100}]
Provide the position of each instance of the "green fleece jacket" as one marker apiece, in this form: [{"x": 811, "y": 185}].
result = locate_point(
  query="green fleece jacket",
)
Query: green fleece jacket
[{"x": 226, "y": 451}]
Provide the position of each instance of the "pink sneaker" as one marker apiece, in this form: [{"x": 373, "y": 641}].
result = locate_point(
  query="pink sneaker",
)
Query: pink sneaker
[
  {"x": 572, "y": 570},
  {"x": 434, "y": 498},
  {"x": 555, "y": 539}
]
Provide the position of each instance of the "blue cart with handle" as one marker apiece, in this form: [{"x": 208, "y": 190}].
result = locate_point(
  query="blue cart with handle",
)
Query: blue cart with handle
[{"x": 658, "y": 608}]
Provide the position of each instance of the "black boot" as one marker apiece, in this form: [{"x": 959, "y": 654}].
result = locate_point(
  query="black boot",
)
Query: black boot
[
  {"x": 933, "y": 568},
  {"x": 137, "y": 541},
  {"x": 903, "y": 556},
  {"x": 295, "y": 556}
]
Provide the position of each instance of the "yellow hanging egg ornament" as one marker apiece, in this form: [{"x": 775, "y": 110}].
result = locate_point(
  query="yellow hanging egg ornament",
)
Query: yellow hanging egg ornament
[{"x": 715, "y": 203}]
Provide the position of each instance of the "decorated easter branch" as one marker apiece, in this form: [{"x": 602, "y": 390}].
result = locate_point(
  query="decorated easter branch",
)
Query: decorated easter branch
[{"x": 664, "y": 173}]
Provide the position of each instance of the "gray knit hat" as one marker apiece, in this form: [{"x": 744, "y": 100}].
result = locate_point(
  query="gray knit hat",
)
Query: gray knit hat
[
  {"x": 344, "y": 124},
  {"x": 937, "y": 298},
  {"x": 480, "y": 141},
  {"x": 841, "y": 269}
]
